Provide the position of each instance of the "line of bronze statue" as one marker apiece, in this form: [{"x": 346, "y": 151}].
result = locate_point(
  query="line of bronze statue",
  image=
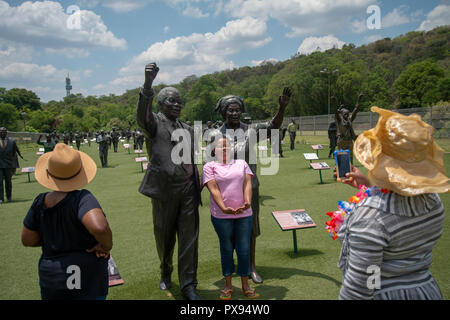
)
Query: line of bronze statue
[{"x": 175, "y": 189}]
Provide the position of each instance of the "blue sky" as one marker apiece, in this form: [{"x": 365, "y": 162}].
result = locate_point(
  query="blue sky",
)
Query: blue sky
[{"x": 106, "y": 44}]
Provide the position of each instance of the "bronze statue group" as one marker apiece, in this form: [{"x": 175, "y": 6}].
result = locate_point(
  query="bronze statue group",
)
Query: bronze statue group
[
  {"x": 175, "y": 188},
  {"x": 394, "y": 200}
]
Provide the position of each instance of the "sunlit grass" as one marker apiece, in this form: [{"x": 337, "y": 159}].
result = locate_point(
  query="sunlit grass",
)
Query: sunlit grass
[{"x": 310, "y": 274}]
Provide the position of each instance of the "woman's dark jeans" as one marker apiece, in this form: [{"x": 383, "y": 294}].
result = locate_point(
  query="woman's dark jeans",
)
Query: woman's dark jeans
[{"x": 234, "y": 234}]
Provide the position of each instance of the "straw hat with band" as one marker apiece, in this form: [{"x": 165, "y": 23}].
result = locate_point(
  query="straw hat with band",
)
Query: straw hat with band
[
  {"x": 402, "y": 156},
  {"x": 64, "y": 169}
]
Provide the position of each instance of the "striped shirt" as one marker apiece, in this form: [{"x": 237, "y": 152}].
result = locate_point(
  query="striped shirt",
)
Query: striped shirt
[{"x": 393, "y": 235}]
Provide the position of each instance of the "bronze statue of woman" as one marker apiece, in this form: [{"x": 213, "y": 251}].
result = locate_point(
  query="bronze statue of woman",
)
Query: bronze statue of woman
[{"x": 231, "y": 108}]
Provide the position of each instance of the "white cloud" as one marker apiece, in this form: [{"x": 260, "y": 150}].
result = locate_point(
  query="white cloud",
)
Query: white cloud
[
  {"x": 45, "y": 24},
  {"x": 312, "y": 44},
  {"x": 186, "y": 7},
  {"x": 166, "y": 29},
  {"x": 397, "y": 17},
  {"x": 439, "y": 16},
  {"x": 40, "y": 89},
  {"x": 194, "y": 12},
  {"x": 69, "y": 52},
  {"x": 372, "y": 38},
  {"x": 46, "y": 81},
  {"x": 14, "y": 52},
  {"x": 87, "y": 73},
  {"x": 303, "y": 17},
  {"x": 87, "y": 3},
  {"x": 28, "y": 73},
  {"x": 358, "y": 26},
  {"x": 99, "y": 87},
  {"x": 194, "y": 54},
  {"x": 256, "y": 63},
  {"x": 122, "y": 6}
]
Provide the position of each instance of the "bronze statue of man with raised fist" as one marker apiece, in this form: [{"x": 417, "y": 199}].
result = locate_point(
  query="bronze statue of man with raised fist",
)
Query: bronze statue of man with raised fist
[{"x": 174, "y": 187}]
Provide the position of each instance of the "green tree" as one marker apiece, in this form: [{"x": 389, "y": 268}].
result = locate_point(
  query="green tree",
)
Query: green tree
[
  {"x": 42, "y": 121},
  {"x": 202, "y": 99},
  {"x": 443, "y": 88},
  {"x": 8, "y": 116},
  {"x": 22, "y": 98},
  {"x": 417, "y": 86},
  {"x": 254, "y": 108},
  {"x": 70, "y": 123},
  {"x": 376, "y": 92},
  {"x": 116, "y": 123}
]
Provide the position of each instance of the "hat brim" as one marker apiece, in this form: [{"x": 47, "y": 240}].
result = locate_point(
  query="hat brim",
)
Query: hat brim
[
  {"x": 363, "y": 149},
  {"x": 85, "y": 176},
  {"x": 409, "y": 179},
  {"x": 402, "y": 177}
]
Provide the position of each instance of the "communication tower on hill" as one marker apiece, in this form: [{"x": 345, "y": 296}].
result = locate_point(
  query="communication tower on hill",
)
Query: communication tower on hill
[{"x": 68, "y": 85}]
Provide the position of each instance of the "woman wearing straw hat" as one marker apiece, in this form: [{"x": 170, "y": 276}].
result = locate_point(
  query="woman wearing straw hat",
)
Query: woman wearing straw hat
[
  {"x": 70, "y": 226},
  {"x": 387, "y": 240}
]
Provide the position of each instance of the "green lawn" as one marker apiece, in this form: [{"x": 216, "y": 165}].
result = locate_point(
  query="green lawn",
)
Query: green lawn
[{"x": 310, "y": 274}]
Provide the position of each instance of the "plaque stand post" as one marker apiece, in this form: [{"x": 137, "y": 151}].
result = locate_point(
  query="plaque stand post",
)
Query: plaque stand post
[{"x": 294, "y": 238}]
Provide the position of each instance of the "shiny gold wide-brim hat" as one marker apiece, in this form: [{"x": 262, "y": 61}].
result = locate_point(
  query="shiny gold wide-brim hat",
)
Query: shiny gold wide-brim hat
[
  {"x": 64, "y": 169},
  {"x": 402, "y": 156}
]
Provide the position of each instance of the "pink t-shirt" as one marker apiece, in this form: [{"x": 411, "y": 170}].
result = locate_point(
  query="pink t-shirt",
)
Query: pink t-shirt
[{"x": 230, "y": 178}]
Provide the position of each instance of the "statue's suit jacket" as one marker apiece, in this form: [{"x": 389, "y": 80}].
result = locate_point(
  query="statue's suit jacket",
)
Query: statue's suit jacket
[
  {"x": 158, "y": 131},
  {"x": 7, "y": 154}
]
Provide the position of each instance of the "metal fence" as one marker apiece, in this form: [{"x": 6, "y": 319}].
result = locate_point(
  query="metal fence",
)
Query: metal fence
[
  {"x": 438, "y": 117},
  {"x": 25, "y": 137}
]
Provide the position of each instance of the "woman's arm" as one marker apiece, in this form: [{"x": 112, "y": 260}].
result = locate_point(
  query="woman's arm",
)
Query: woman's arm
[
  {"x": 356, "y": 178},
  {"x": 247, "y": 193},
  {"x": 217, "y": 196},
  {"x": 97, "y": 225},
  {"x": 31, "y": 238}
]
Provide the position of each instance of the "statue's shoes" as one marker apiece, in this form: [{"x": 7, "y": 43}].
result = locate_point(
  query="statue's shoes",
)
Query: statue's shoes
[
  {"x": 165, "y": 284},
  {"x": 256, "y": 278},
  {"x": 190, "y": 293}
]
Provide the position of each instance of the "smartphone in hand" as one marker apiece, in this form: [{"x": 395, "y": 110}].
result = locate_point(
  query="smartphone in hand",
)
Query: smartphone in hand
[{"x": 343, "y": 163}]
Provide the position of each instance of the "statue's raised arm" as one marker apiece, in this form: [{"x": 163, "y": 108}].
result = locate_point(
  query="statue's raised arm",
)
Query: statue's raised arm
[
  {"x": 334, "y": 105},
  {"x": 144, "y": 114},
  {"x": 357, "y": 106},
  {"x": 151, "y": 71},
  {"x": 283, "y": 101}
]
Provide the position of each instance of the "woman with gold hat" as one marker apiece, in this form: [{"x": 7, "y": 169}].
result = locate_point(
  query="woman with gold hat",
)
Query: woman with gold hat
[
  {"x": 70, "y": 226},
  {"x": 387, "y": 240}
]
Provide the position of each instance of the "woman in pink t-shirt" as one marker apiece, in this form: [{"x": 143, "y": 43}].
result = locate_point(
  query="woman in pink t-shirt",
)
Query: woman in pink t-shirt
[{"x": 229, "y": 182}]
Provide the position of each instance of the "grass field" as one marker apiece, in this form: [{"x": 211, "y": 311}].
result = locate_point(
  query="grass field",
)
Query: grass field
[{"x": 310, "y": 274}]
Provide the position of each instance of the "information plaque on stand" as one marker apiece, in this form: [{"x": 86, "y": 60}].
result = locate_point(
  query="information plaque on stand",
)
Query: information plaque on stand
[
  {"x": 292, "y": 220},
  {"x": 115, "y": 278}
]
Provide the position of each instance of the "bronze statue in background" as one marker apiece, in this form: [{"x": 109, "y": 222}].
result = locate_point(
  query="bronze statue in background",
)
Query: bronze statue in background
[{"x": 344, "y": 124}]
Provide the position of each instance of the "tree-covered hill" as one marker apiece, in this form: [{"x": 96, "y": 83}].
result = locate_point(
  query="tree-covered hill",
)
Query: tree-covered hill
[{"x": 408, "y": 71}]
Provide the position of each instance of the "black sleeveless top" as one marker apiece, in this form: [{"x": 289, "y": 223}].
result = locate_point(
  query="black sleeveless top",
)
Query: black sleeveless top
[{"x": 64, "y": 243}]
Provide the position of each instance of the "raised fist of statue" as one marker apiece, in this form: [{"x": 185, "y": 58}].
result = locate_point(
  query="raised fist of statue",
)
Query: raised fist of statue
[
  {"x": 285, "y": 97},
  {"x": 151, "y": 70}
]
